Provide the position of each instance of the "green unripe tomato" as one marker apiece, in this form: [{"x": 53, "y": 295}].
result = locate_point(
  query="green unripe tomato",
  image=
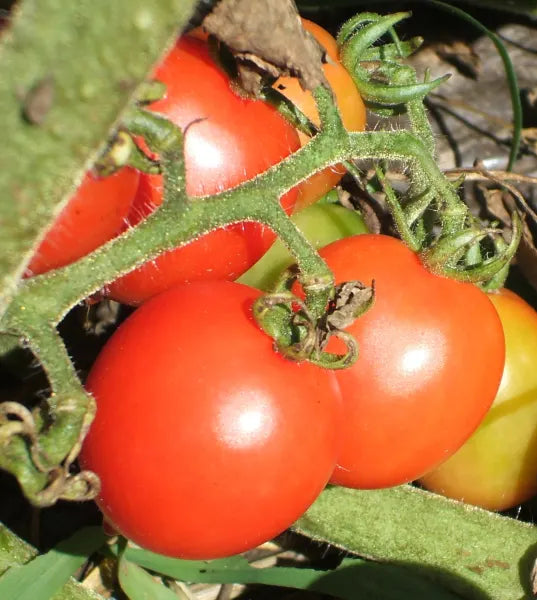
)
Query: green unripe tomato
[
  {"x": 321, "y": 223},
  {"x": 497, "y": 467}
]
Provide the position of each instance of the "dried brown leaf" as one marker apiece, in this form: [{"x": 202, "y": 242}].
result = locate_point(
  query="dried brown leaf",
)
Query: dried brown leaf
[{"x": 267, "y": 39}]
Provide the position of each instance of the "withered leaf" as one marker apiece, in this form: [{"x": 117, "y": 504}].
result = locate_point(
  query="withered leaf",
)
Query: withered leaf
[
  {"x": 351, "y": 300},
  {"x": 267, "y": 39}
]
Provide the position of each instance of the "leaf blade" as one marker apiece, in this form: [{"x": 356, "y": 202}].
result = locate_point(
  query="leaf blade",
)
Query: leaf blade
[
  {"x": 94, "y": 53},
  {"x": 45, "y": 575},
  {"x": 475, "y": 553}
]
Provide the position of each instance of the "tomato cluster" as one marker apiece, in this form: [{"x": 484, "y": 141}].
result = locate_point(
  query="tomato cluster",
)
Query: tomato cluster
[{"x": 207, "y": 441}]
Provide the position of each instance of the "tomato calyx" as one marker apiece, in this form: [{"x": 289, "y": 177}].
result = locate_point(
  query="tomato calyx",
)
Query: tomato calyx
[
  {"x": 460, "y": 255},
  {"x": 383, "y": 83},
  {"x": 298, "y": 335}
]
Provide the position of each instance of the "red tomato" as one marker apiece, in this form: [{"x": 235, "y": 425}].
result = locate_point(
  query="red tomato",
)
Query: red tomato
[
  {"x": 349, "y": 102},
  {"x": 497, "y": 467},
  {"x": 235, "y": 140},
  {"x": 95, "y": 214},
  {"x": 206, "y": 441},
  {"x": 431, "y": 355}
]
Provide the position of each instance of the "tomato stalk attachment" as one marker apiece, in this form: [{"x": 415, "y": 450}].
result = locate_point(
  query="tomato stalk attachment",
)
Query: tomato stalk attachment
[{"x": 298, "y": 335}]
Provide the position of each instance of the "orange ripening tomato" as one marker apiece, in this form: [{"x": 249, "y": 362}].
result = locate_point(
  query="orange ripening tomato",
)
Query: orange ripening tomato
[
  {"x": 94, "y": 215},
  {"x": 228, "y": 140},
  {"x": 349, "y": 101},
  {"x": 497, "y": 467}
]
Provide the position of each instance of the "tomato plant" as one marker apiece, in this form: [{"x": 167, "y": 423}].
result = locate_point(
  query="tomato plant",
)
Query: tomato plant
[
  {"x": 206, "y": 441},
  {"x": 228, "y": 140},
  {"x": 497, "y": 467},
  {"x": 431, "y": 354},
  {"x": 349, "y": 102},
  {"x": 321, "y": 223},
  {"x": 94, "y": 215}
]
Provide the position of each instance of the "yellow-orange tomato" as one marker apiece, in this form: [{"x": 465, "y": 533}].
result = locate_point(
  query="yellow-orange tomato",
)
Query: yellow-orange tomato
[
  {"x": 350, "y": 106},
  {"x": 497, "y": 467},
  {"x": 323, "y": 37}
]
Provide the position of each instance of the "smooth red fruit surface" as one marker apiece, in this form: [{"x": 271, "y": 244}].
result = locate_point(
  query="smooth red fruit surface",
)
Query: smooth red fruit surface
[
  {"x": 348, "y": 100},
  {"x": 207, "y": 442},
  {"x": 228, "y": 140},
  {"x": 95, "y": 214},
  {"x": 497, "y": 467},
  {"x": 431, "y": 355}
]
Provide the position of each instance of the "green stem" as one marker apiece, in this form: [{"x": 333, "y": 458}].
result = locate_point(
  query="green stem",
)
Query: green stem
[
  {"x": 47, "y": 298},
  {"x": 73, "y": 409},
  {"x": 420, "y": 124},
  {"x": 397, "y": 212}
]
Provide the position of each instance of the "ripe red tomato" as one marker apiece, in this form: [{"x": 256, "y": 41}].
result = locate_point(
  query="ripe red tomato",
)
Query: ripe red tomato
[
  {"x": 206, "y": 441},
  {"x": 497, "y": 467},
  {"x": 95, "y": 214},
  {"x": 431, "y": 355},
  {"x": 234, "y": 140},
  {"x": 349, "y": 102}
]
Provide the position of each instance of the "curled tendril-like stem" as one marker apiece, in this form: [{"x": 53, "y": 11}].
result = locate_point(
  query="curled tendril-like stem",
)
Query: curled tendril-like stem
[
  {"x": 23, "y": 422},
  {"x": 64, "y": 486},
  {"x": 18, "y": 423}
]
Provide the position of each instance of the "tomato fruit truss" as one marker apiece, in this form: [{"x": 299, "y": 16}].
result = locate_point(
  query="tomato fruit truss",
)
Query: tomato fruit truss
[
  {"x": 228, "y": 140},
  {"x": 95, "y": 214},
  {"x": 207, "y": 442},
  {"x": 431, "y": 354},
  {"x": 497, "y": 467},
  {"x": 348, "y": 100}
]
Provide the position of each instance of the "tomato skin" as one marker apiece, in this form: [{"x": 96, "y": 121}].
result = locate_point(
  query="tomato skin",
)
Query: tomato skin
[
  {"x": 95, "y": 214},
  {"x": 207, "y": 442},
  {"x": 228, "y": 140},
  {"x": 348, "y": 99},
  {"x": 327, "y": 41},
  {"x": 321, "y": 223},
  {"x": 431, "y": 355},
  {"x": 497, "y": 467}
]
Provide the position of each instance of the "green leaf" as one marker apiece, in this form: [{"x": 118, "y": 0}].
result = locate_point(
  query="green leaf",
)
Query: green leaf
[
  {"x": 355, "y": 578},
  {"x": 13, "y": 550},
  {"x": 45, "y": 575},
  {"x": 139, "y": 585},
  {"x": 89, "y": 56},
  {"x": 475, "y": 553}
]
